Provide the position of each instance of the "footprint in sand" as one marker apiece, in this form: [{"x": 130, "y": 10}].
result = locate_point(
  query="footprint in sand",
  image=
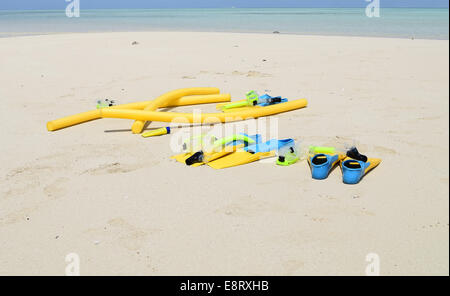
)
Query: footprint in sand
[
  {"x": 248, "y": 207},
  {"x": 385, "y": 150},
  {"x": 112, "y": 168},
  {"x": 66, "y": 96},
  {"x": 18, "y": 216},
  {"x": 362, "y": 147},
  {"x": 52, "y": 192},
  {"x": 23, "y": 180},
  {"x": 257, "y": 74},
  {"x": 118, "y": 231},
  {"x": 56, "y": 189},
  {"x": 319, "y": 219},
  {"x": 429, "y": 118},
  {"x": 435, "y": 226},
  {"x": 251, "y": 74},
  {"x": 26, "y": 171}
]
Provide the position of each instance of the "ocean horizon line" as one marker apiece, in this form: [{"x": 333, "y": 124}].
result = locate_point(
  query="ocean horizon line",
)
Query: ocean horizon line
[{"x": 206, "y": 8}]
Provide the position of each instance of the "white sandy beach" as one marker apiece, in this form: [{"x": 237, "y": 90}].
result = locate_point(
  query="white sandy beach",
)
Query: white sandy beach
[{"x": 120, "y": 203}]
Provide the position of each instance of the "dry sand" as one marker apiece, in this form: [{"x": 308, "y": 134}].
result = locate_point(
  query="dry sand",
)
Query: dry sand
[{"x": 116, "y": 199}]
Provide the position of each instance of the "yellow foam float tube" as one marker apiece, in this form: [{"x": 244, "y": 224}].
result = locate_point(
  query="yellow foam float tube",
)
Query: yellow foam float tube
[
  {"x": 95, "y": 114},
  {"x": 138, "y": 125},
  {"x": 203, "y": 117},
  {"x": 183, "y": 101},
  {"x": 73, "y": 120}
]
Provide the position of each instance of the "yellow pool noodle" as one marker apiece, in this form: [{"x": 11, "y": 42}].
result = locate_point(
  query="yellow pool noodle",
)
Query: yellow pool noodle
[
  {"x": 138, "y": 125},
  {"x": 203, "y": 117},
  {"x": 183, "y": 101},
  {"x": 95, "y": 114}
]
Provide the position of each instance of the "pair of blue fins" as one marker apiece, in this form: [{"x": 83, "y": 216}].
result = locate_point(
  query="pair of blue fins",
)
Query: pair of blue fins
[
  {"x": 232, "y": 151},
  {"x": 354, "y": 165}
]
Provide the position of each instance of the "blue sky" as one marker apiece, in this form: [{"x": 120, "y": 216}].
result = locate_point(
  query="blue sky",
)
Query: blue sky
[{"x": 96, "y": 4}]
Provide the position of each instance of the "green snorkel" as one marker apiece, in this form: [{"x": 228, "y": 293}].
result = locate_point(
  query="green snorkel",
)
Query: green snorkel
[
  {"x": 239, "y": 137},
  {"x": 252, "y": 98}
]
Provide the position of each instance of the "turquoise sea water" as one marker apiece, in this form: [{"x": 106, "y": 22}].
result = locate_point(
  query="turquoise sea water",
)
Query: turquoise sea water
[{"x": 393, "y": 22}]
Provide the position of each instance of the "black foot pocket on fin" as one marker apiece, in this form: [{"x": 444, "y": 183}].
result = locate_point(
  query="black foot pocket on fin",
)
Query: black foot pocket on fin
[
  {"x": 195, "y": 158},
  {"x": 354, "y": 153}
]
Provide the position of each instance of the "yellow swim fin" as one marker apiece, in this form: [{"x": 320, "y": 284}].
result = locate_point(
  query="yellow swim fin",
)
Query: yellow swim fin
[
  {"x": 181, "y": 157},
  {"x": 374, "y": 162},
  {"x": 216, "y": 155},
  {"x": 238, "y": 158},
  {"x": 208, "y": 156}
]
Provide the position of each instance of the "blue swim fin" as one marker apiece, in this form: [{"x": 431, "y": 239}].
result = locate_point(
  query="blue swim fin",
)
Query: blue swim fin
[
  {"x": 353, "y": 170},
  {"x": 321, "y": 164}
]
